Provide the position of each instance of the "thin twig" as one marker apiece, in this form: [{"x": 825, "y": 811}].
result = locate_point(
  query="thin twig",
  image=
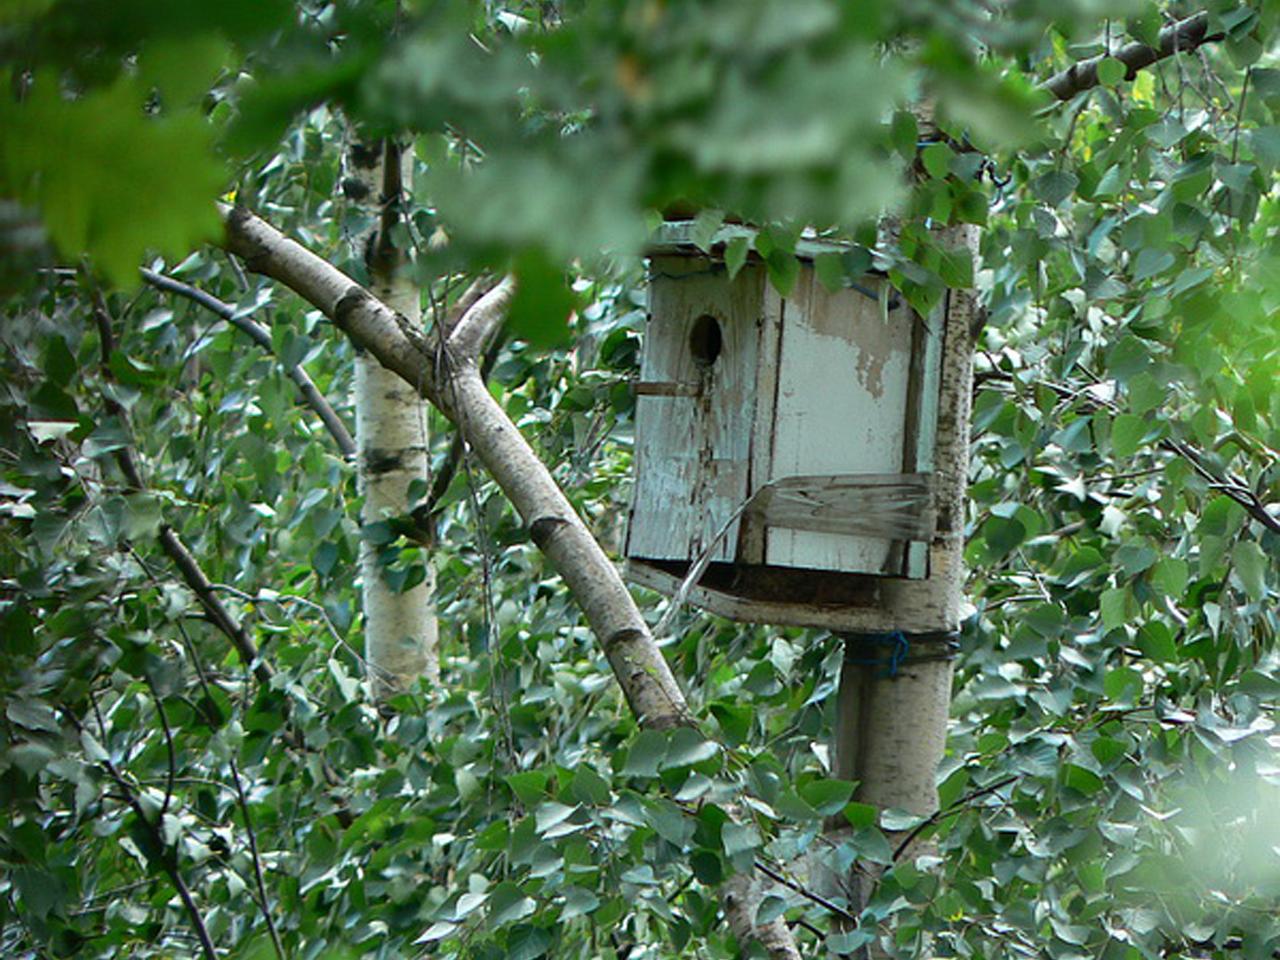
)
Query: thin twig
[
  {"x": 170, "y": 542},
  {"x": 695, "y": 572},
  {"x": 167, "y": 860},
  {"x": 1235, "y": 135},
  {"x": 1234, "y": 488},
  {"x": 819, "y": 899},
  {"x": 448, "y": 470},
  {"x": 263, "y": 902},
  {"x": 168, "y": 743},
  {"x": 259, "y": 334},
  {"x": 940, "y": 815}
]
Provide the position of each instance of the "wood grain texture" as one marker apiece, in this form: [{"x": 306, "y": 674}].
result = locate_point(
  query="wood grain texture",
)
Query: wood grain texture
[
  {"x": 891, "y": 506},
  {"x": 694, "y": 426}
]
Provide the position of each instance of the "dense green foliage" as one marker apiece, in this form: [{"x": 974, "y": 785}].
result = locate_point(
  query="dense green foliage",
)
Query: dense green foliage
[{"x": 1113, "y": 773}]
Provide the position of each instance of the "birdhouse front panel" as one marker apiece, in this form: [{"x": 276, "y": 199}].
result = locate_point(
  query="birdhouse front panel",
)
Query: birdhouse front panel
[
  {"x": 695, "y": 409},
  {"x": 841, "y": 411}
]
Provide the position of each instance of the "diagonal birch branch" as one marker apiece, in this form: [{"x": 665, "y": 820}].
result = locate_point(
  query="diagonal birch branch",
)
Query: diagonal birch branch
[
  {"x": 450, "y": 379},
  {"x": 447, "y": 373}
]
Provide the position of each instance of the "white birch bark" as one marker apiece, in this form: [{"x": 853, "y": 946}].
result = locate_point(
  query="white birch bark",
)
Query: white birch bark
[{"x": 401, "y": 634}]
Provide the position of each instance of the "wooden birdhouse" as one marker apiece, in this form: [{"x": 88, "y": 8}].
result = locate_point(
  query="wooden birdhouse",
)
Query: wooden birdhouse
[{"x": 788, "y": 445}]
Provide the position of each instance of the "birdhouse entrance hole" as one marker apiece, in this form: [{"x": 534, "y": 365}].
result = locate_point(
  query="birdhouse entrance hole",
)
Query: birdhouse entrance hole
[{"x": 705, "y": 340}]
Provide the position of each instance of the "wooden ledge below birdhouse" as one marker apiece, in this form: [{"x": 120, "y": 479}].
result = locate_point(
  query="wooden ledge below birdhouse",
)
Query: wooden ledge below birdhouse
[{"x": 760, "y": 594}]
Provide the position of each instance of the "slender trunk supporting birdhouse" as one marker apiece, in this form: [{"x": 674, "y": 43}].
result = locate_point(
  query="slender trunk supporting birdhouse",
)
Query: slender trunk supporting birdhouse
[{"x": 895, "y": 686}]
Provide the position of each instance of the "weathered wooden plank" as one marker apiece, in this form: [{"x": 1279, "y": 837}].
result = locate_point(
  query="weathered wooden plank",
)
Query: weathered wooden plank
[
  {"x": 665, "y": 388},
  {"x": 753, "y": 535},
  {"x": 926, "y": 387},
  {"x": 897, "y": 506},
  {"x": 840, "y": 353},
  {"x": 693, "y": 425}
]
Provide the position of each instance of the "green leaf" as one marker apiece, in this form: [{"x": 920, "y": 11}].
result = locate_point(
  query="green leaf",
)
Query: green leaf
[
  {"x": 1156, "y": 642},
  {"x": 829, "y": 269},
  {"x": 1123, "y": 685},
  {"x": 735, "y": 255},
  {"x": 1151, "y": 262},
  {"x": 529, "y": 787},
  {"x": 707, "y": 867},
  {"x": 32, "y": 714},
  {"x": 578, "y": 902},
  {"x": 740, "y": 838},
  {"x": 1111, "y": 71},
  {"x": 688, "y": 747},
  {"x": 507, "y": 904},
  {"x": 527, "y": 942},
  {"x": 647, "y": 752},
  {"x": 670, "y": 822},
  {"x": 108, "y": 179},
  {"x": 705, "y": 226},
  {"x": 771, "y": 908},
  {"x": 784, "y": 271},
  {"x": 845, "y": 944},
  {"x": 1250, "y": 564},
  {"x": 872, "y": 845},
  {"x": 588, "y": 786},
  {"x": 904, "y": 133},
  {"x": 542, "y": 303},
  {"x": 1134, "y": 557},
  {"x": 42, "y": 893},
  {"x": 827, "y": 796},
  {"x": 1170, "y": 576},
  {"x": 1114, "y": 607},
  {"x": 1055, "y": 186},
  {"x": 1127, "y": 433},
  {"x": 551, "y": 814},
  {"x": 936, "y": 159},
  {"x": 1078, "y": 778}
]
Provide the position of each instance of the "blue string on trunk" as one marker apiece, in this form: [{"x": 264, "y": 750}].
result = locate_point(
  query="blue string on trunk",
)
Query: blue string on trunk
[
  {"x": 899, "y": 646},
  {"x": 900, "y": 651}
]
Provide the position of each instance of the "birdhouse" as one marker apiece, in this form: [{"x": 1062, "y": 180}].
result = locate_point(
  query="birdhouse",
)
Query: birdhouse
[{"x": 784, "y": 447}]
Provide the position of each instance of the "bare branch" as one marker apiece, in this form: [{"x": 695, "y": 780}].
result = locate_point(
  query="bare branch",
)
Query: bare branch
[
  {"x": 1182, "y": 36},
  {"x": 453, "y": 384},
  {"x": 477, "y": 289},
  {"x": 170, "y": 542},
  {"x": 442, "y": 478},
  {"x": 165, "y": 855},
  {"x": 259, "y": 334},
  {"x": 259, "y": 881}
]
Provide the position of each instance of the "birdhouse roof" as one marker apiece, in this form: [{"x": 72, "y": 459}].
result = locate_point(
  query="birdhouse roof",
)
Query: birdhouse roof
[{"x": 677, "y": 237}]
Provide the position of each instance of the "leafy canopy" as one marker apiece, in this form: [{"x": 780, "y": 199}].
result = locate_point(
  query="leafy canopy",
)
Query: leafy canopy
[{"x": 1110, "y": 782}]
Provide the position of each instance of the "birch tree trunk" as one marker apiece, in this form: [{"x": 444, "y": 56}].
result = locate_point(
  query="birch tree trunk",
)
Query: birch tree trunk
[{"x": 401, "y": 635}]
